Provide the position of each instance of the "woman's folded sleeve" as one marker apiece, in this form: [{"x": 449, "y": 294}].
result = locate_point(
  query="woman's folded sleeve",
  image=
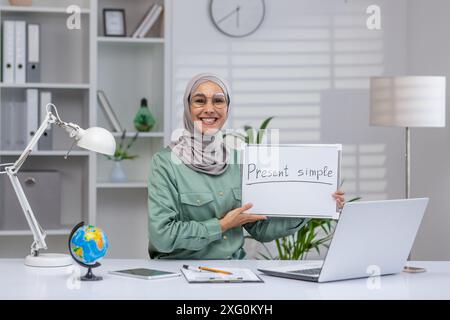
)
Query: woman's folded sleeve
[
  {"x": 166, "y": 231},
  {"x": 274, "y": 228}
]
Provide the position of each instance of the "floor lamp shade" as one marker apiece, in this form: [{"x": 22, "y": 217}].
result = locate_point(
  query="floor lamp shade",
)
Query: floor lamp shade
[{"x": 410, "y": 101}]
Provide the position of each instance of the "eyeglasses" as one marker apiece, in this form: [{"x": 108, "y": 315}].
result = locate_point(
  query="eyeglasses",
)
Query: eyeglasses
[{"x": 200, "y": 100}]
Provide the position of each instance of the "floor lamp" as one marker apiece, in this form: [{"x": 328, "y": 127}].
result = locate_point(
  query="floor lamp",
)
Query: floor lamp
[{"x": 409, "y": 101}]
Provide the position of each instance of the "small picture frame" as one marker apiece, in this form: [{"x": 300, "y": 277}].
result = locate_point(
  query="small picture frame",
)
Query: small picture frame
[{"x": 114, "y": 23}]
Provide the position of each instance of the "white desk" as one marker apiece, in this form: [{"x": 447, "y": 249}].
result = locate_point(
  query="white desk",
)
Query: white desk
[{"x": 20, "y": 282}]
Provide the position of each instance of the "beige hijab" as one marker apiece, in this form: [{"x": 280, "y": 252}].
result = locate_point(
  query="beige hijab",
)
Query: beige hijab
[{"x": 204, "y": 153}]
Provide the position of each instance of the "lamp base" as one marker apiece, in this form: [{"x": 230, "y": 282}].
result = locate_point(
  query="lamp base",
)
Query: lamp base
[
  {"x": 413, "y": 269},
  {"x": 49, "y": 260}
]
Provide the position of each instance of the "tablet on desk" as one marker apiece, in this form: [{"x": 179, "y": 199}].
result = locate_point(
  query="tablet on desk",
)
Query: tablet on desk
[{"x": 147, "y": 274}]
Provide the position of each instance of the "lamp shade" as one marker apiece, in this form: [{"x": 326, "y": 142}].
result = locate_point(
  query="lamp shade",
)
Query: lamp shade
[
  {"x": 97, "y": 139},
  {"x": 411, "y": 101}
]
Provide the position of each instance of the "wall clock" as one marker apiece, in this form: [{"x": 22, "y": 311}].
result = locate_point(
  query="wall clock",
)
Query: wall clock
[{"x": 237, "y": 18}]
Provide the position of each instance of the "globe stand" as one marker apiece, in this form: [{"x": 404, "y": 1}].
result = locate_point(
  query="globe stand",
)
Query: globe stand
[{"x": 89, "y": 276}]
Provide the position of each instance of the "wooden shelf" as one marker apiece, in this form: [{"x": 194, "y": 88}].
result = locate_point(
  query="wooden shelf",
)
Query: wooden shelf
[
  {"x": 121, "y": 185},
  {"x": 129, "y": 40},
  {"x": 38, "y": 9},
  {"x": 43, "y": 85}
]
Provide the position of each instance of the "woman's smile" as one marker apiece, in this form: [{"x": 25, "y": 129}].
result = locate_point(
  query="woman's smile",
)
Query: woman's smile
[{"x": 209, "y": 121}]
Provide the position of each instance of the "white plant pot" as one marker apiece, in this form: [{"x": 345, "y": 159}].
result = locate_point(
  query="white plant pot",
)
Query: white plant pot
[{"x": 118, "y": 174}]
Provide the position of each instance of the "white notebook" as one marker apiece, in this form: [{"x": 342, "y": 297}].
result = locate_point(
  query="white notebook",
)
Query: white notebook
[{"x": 238, "y": 275}]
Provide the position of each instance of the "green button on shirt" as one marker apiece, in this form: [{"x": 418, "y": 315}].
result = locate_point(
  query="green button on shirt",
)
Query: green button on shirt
[{"x": 184, "y": 208}]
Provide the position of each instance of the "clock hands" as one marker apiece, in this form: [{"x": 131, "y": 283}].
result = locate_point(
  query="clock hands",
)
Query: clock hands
[
  {"x": 236, "y": 19},
  {"x": 235, "y": 11}
]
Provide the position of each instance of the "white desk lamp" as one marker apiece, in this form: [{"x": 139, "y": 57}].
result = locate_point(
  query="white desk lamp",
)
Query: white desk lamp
[
  {"x": 410, "y": 101},
  {"x": 94, "y": 139}
]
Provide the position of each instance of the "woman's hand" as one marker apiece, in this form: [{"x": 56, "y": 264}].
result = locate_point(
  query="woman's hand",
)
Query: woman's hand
[
  {"x": 339, "y": 197},
  {"x": 236, "y": 218}
]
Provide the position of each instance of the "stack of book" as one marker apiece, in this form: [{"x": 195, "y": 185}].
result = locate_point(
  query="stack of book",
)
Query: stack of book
[
  {"x": 21, "y": 60},
  {"x": 148, "y": 21}
]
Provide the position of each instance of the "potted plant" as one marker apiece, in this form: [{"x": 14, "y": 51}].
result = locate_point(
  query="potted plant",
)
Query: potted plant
[{"x": 117, "y": 172}]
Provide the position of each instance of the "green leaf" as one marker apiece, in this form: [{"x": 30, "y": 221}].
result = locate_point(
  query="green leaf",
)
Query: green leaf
[
  {"x": 122, "y": 138},
  {"x": 250, "y": 135},
  {"x": 354, "y": 199},
  {"x": 266, "y": 123},
  {"x": 122, "y": 154},
  {"x": 265, "y": 257},
  {"x": 132, "y": 140},
  {"x": 262, "y": 130}
]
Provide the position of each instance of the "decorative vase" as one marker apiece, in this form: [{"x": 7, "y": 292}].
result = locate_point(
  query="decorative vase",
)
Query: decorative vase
[
  {"x": 21, "y": 2},
  {"x": 117, "y": 172},
  {"x": 144, "y": 119}
]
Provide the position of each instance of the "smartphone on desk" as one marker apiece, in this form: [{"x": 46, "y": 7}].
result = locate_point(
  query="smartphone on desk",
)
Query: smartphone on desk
[{"x": 147, "y": 274}]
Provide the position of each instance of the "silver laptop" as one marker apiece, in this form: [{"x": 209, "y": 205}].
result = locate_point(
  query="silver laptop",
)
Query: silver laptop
[{"x": 370, "y": 238}]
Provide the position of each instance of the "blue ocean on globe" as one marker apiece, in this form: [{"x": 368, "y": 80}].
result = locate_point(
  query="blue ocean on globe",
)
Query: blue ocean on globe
[{"x": 89, "y": 244}]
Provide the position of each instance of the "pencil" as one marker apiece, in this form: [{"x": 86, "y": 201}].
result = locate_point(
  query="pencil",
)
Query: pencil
[{"x": 214, "y": 270}]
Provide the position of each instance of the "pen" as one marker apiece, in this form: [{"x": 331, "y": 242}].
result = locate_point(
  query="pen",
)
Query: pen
[{"x": 205, "y": 269}]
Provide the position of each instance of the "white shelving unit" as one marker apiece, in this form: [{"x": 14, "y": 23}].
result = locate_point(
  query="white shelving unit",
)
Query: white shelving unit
[
  {"x": 141, "y": 134},
  {"x": 111, "y": 185},
  {"x": 130, "y": 40},
  {"x": 50, "y": 153},
  {"x": 74, "y": 65},
  {"x": 39, "y": 9},
  {"x": 54, "y": 232},
  {"x": 46, "y": 85}
]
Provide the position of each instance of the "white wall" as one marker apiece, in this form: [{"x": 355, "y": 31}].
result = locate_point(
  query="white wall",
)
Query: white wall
[
  {"x": 309, "y": 65},
  {"x": 429, "y": 54}
]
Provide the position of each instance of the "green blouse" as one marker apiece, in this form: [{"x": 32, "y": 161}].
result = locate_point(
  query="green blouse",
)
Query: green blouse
[{"x": 184, "y": 208}]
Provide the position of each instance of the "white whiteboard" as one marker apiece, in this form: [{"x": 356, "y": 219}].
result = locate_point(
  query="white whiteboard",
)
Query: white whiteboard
[{"x": 291, "y": 180}]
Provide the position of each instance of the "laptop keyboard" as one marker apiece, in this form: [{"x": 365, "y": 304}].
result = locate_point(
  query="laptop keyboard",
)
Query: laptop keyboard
[{"x": 309, "y": 272}]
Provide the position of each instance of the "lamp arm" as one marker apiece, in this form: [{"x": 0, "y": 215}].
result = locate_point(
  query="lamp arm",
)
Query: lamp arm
[
  {"x": 49, "y": 119},
  {"x": 38, "y": 233},
  {"x": 12, "y": 169},
  {"x": 73, "y": 129}
]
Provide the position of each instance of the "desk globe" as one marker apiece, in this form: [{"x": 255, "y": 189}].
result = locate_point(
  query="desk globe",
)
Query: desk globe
[{"x": 87, "y": 245}]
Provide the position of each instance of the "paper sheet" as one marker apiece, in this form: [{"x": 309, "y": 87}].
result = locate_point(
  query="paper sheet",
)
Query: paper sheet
[{"x": 238, "y": 275}]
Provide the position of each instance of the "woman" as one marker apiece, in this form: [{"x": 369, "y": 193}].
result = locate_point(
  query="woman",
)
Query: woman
[{"x": 195, "y": 209}]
